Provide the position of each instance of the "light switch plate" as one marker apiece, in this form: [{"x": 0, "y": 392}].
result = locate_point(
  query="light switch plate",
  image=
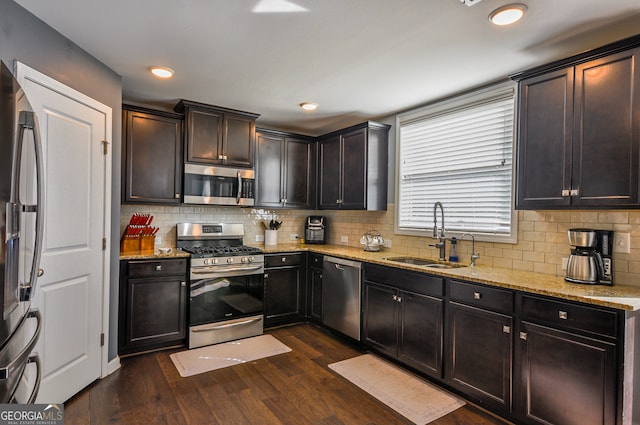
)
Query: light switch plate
[
  {"x": 565, "y": 260},
  {"x": 259, "y": 238},
  {"x": 158, "y": 241},
  {"x": 622, "y": 243},
  {"x": 344, "y": 239},
  {"x": 293, "y": 236},
  {"x": 387, "y": 243}
]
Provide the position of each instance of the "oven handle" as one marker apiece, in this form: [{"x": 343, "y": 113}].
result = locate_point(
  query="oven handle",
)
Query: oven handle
[
  {"x": 228, "y": 325},
  {"x": 225, "y": 269}
]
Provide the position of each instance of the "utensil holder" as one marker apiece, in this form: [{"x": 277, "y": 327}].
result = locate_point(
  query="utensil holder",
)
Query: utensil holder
[
  {"x": 271, "y": 237},
  {"x": 147, "y": 243}
]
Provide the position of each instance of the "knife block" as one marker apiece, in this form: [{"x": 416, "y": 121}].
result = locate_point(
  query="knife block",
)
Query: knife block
[
  {"x": 147, "y": 243},
  {"x": 129, "y": 243}
]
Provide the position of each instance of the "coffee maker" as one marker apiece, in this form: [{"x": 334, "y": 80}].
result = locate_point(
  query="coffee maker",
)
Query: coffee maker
[
  {"x": 590, "y": 261},
  {"x": 316, "y": 230}
]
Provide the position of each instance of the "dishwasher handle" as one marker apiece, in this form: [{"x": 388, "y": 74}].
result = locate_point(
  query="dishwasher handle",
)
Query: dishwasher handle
[{"x": 341, "y": 263}]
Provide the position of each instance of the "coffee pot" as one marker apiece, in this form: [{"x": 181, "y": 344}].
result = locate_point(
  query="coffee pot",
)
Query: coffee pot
[{"x": 590, "y": 259}]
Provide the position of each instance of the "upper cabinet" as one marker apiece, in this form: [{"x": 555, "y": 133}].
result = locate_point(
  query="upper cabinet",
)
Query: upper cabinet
[
  {"x": 579, "y": 132},
  {"x": 353, "y": 167},
  {"x": 218, "y": 136},
  {"x": 152, "y": 156},
  {"x": 285, "y": 170}
]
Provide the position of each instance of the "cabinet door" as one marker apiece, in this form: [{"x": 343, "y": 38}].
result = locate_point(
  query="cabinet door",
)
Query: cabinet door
[
  {"x": 204, "y": 136},
  {"x": 607, "y": 131},
  {"x": 153, "y": 158},
  {"x": 566, "y": 379},
  {"x": 315, "y": 294},
  {"x": 299, "y": 174},
  {"x": 330, "y": 173},
  {"x": 354, "y": 172},
  {"x": 270, "y": 156},
  {"x": 380, "y": 325},
  {"x": 238, "y": 140},
  {"x": 156, "y": 311},
  {"x": 420, "y": 332},
  {"x": 282, "y": 296},
  {"x": 480, "y": 350},
  {"x": 545, "y": 114}
]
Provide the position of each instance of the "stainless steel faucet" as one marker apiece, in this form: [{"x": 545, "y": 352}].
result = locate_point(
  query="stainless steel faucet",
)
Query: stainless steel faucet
[
  {"x": 439, "y": 233},
  {"x": 474, "y": 255}
]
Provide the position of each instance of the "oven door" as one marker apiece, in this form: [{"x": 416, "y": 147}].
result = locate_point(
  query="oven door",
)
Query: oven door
[{"x": 223, "y": 298}]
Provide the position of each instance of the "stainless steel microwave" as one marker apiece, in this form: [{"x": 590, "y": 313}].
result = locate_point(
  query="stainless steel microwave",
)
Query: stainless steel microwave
[{"x": 209, "y": 185}]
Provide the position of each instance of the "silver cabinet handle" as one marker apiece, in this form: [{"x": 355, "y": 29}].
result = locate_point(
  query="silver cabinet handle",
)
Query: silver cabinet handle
[
  {"x": 266, "y": 275},
  {"x": 565, "y": 193},
  {"x": 477, "y": 295},
  {"x": 283, "y": 259},
  {"x": 574, "y": 192},
  {"x": 177, "y": 196},
  {"x": 183, "y": 284},
  {"x": 563, "y": 315},
  {"x": 159, "y": 267},
  {"x": 506, "y": 329},
  {"x": 523, "y": 336}
]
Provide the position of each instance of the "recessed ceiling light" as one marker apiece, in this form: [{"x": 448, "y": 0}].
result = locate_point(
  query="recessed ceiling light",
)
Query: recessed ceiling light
[
  {"x": 507, "y": 15},
  {"x": 162, "y": 71},
  {"x": 309, "y": 106}
]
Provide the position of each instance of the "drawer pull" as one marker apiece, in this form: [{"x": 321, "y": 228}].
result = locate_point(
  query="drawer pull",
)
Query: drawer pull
[
  {"x": 506, "y": 329},
  {"x": 477, "y": 295},
  {"x": 283, "y": 259},
  {"x": 183, "y": 284},
  {"x": 399, "y": 299},
  {"x": 523, "y": 336},
  {"x": 563, "y": 315},
  {"x": 266, "y": 275},
  {"x": 159, "y": 267}
]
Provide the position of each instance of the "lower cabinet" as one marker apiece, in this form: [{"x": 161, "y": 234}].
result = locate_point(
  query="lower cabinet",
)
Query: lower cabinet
[
  {"x": 568, "y": 363},
  {"x": 283, "y": 288},
  {"x": 403, "y": 317},
  {"x": 479, "y": 347},
  {"x": 314, "y": 288},
  {"x": 153, "y": 304}
]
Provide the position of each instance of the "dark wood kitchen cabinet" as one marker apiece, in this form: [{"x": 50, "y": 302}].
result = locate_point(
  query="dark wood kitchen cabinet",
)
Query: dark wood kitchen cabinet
[
  {"x": 567, "y": 363},
  {"x": 283, "y": 288},
  {"x": 314, "y": 287},
  {"x": 579, "y": 132},
  {"x": 285, "y": 170},
  {"x": 353, "y": 167},
  {"x": 479, "y": 343},
  {"x": 403, "y": 317},
  {"x": 152, "y": 156},
  {"x": 218, "y": 136},
  {"x": 152, "y": 304}
]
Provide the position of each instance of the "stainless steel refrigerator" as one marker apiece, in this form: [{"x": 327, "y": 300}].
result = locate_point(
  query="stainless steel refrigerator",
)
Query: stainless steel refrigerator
[{"x": 21, "y": 232}]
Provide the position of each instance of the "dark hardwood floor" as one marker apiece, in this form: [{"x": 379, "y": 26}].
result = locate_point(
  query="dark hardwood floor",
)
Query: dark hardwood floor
[{"x": 292, "y": 388}]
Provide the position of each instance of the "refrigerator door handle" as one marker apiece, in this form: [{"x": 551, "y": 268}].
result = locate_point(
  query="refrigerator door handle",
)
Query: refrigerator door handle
[
  {"x": 6, "y": 370},
  {"x": 27, "y": 120}
]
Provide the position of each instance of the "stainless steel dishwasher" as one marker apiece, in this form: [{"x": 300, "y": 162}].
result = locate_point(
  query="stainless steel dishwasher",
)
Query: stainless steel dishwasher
[{"x": 341, "y": 295}]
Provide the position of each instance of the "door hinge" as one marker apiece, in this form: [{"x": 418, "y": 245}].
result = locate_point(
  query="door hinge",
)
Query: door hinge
[
  {"x": 104, "y": 244},
  {"x": 105, "y": 147},
  {"x": 102, "y": 340}
]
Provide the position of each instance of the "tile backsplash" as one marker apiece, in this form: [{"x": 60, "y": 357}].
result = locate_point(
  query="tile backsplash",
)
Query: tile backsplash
[{"x": 542, "y": 235}]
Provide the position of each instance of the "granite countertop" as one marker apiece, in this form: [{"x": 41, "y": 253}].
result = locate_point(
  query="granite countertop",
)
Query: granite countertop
[{"x": 621, "y": 297}]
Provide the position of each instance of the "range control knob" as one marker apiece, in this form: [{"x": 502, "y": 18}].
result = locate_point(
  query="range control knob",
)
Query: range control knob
[
  {"x": 230, "y": 260},
  {"x": 251, "y": 259},
  {"x": 244, "y": 260},
  {"x": 207, "y": 261}
]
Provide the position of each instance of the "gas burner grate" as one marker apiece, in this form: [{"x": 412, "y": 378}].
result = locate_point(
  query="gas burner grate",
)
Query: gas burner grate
[{"x": 219, "y": 251}]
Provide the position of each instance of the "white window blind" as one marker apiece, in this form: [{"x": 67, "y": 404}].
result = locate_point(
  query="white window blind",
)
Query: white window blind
[{"x": 459, "y": 155}]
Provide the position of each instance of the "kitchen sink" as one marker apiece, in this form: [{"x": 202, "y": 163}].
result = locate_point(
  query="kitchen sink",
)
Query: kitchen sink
[{"x": 425, "y": 262}]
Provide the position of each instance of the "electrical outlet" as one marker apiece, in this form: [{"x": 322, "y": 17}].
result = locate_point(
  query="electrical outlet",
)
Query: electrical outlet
[
  {"x": 565, "y": 260},
  {"x": 387, "y": 243},
  {"x": 158, "y": 241},
  {"x": 622, "y": 243},
  {"x": 293, "y": 236},
  {"x": 259, "y": 238},
  {"x": 344, "y": 239}
]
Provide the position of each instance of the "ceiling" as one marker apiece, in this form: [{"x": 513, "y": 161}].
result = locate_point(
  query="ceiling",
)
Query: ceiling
[{"x": 359, "y": 59}]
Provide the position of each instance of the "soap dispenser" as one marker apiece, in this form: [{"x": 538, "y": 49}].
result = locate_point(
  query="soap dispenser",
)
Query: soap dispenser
[{"x": 453, "y": 255}]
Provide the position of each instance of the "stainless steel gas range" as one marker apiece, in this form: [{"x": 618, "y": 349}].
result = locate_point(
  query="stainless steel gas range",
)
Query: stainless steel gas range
[{"x": 226, "y": 283}]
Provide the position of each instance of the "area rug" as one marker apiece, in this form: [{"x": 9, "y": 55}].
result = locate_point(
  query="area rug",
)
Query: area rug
[
  {"x": 412, "y": 397},
  {"x": 212, "y": 357}
]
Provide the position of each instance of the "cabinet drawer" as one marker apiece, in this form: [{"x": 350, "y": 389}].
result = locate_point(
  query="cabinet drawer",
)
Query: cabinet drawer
[
  {"x": 145, "y": 268},
  {"x": 570, "y": 316},
  {"x": 282, "y": 260},
  {"x": 500, "y": 300},
  {"x": 315, "y": 260},
  {"x": 419, "y": 283}
]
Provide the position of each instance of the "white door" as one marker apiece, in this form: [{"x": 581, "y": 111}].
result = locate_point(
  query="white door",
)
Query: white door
[{"x": 73, "y": 291}]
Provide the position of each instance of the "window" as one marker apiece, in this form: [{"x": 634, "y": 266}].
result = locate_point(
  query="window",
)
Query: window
[{"x": 459, "y": 152}]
